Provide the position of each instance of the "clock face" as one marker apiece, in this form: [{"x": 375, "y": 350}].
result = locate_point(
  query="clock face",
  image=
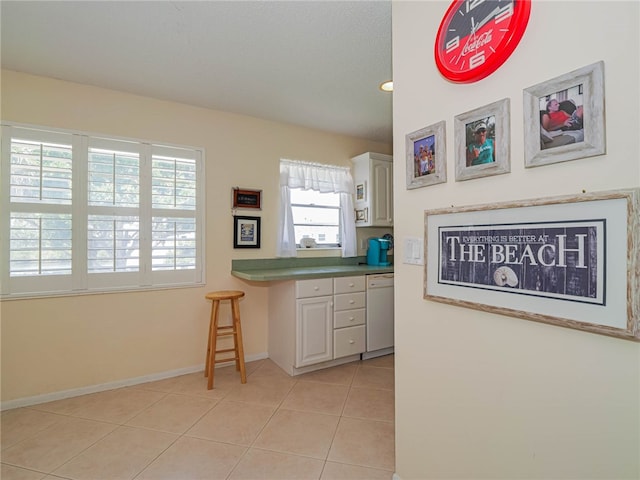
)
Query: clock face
[{"x": 477, "y": 36}]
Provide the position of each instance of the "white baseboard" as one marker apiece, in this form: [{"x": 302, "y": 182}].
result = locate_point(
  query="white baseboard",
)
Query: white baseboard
[
  {"x": 377, "y": 353},
  {"x": 75, "y": 392}
]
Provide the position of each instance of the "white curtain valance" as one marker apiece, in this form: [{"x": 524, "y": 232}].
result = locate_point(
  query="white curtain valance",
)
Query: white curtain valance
[{"x": 315, "y": 176}]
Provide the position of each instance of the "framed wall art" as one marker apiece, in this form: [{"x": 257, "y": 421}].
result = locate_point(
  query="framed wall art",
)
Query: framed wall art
[
  {"x": 426, "y": 156},
  {"x": 571, "y": 261},
  {"x": 482, "y": 138},
  {"x": 244, "y": 198},
  {"x": 564, "y": 117},
  {"x": 362, "y": 215},
  {"x": 246, "y": 232}
]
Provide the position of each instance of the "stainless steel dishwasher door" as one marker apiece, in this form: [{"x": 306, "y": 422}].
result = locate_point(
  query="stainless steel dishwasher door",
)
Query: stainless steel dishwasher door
[{"x": 379, "y": 312}]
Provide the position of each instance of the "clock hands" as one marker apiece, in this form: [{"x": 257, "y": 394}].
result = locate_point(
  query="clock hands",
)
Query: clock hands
[
  {"x": 471, "y": 38},
  {"x": 491, "y": 16}
]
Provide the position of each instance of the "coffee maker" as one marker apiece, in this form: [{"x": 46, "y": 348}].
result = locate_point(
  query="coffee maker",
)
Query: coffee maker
[{"x": 377, "y": 252}]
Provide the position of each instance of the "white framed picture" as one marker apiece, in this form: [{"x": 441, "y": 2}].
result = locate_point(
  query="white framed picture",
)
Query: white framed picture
[
  {"x": 483, "y": 141},
  {"x": 564, "y": 117}
]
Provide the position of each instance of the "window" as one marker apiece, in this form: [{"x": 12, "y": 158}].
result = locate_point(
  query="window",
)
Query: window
[
  {"x": 316, "y": 215},
  {"x": 83, "y": 213},
  {"x": 316, "y": 201}
]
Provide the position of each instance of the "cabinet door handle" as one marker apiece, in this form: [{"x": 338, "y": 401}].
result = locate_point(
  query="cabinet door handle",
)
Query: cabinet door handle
[
  {"x": 351, "y": 284},
  {"x": 352, "y": 302},
  {"x": 351, "y": 319},
  {"x": 316, "y": 288},
  {"x": 352, "y": 342}
]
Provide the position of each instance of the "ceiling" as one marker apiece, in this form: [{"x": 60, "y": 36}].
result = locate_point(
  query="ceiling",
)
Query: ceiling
[{"x": 316, "y": 63}]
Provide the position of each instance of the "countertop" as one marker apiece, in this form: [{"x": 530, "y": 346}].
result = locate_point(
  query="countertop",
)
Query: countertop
[{"x": 274, "y": 269}]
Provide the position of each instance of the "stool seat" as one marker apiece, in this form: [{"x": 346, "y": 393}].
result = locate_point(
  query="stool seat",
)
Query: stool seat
[
  {"x": 224, "y": 295},
  {"x": 216, "y": 331}
]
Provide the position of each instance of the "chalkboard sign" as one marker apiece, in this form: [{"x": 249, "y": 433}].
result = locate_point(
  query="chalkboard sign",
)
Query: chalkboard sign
[{"x": 247, "y": 198}]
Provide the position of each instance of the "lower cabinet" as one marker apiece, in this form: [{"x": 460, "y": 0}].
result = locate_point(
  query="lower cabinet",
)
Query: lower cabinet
[
  {"x": 314, "y": 330},
  {"x": 316, "y": 323},
  {"x": 350, "y": 301},
  {"x": 348, "y": 341}
]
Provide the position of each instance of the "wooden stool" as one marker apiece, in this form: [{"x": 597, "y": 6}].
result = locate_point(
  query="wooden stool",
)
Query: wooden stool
[{"x": 215, "y": 331}]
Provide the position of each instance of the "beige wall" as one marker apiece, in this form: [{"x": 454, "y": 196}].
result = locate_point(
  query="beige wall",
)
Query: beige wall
[
  {"x": 57, "y": 344},
  {"x": 480, "y": 395}
]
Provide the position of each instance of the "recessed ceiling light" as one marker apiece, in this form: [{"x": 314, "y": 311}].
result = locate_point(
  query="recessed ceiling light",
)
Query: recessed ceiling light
[{"x": 387, "y": 86}]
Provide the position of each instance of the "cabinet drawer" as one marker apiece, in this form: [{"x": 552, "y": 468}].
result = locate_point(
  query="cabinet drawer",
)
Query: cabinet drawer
[
  {"x": 349, "y": 284},
  {"x": 348, "y": 341},
  {"x": 348, "y": 301},
  {"x": 349, "y": 318},
  {"x": 316, "y": 287}
]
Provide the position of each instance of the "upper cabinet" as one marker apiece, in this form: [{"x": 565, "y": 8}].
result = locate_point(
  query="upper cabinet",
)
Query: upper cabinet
[{"x": 373, "y": 177}]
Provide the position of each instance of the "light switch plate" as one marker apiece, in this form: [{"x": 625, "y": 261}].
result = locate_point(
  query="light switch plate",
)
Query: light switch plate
[{"x": 413, "y": 251}]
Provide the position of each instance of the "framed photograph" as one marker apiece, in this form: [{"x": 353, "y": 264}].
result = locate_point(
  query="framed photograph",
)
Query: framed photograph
[
  {"x": 564, "y": 117},
  {"x": 483, "y": 140},
  {"x": 246, "y": 232},
  {"x": 426, "y": 156},
  {"x": 362, "y": 215},
  {"x": 360, "y": 192},
  {"x": 243, "y": 198},
  {"x": 571, "y": 261}
]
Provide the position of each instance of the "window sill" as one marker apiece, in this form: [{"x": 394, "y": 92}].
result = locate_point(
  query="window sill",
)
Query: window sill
[
  {"x": 319, "y": 252},
  {"x": 102, "y": 291}
]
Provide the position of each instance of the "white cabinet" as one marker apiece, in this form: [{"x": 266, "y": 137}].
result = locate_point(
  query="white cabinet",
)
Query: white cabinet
[
  {"x": 373, "y": 177},
  {"x": 314, "y": 321},
  {"x": 350, "y": 300},
  {"x": 314, "y": 330},
  {"x": 314, "y": 288},
  {"x": 317, "y": 323},
  {"x": 349, "y": 341}
]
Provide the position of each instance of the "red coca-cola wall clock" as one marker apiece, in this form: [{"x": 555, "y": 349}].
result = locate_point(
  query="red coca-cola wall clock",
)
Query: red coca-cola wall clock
[{"x": 477, "y": 36}]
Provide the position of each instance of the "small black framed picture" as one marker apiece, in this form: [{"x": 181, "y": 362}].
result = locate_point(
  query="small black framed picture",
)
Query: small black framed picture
[
  {"x": 244, "y": 198},
  {"x": 246, "y": 232}
]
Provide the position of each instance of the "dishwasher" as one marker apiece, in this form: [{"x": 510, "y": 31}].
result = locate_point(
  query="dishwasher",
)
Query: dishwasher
[{"x": 379, "y": 315}]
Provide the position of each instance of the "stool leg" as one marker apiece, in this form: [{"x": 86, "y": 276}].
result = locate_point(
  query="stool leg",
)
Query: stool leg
[
  {"x": 212, "y": 342},
  {"x": 214, "y": 314},
  {"x": 234, "y": 313},
  {"x": 237, "y": 338}
]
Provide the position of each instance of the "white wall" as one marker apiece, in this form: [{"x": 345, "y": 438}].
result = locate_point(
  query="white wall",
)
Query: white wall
[
  {"x": 57, "y": 344},
  {"x": 480, "y": 395}
]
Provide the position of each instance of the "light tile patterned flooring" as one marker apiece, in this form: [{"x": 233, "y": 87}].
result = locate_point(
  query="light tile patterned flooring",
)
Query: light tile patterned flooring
[{"x": 336, "y": 423}]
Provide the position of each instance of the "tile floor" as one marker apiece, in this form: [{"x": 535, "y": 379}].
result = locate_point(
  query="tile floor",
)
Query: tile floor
[{"x": 336, "y": 423}]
